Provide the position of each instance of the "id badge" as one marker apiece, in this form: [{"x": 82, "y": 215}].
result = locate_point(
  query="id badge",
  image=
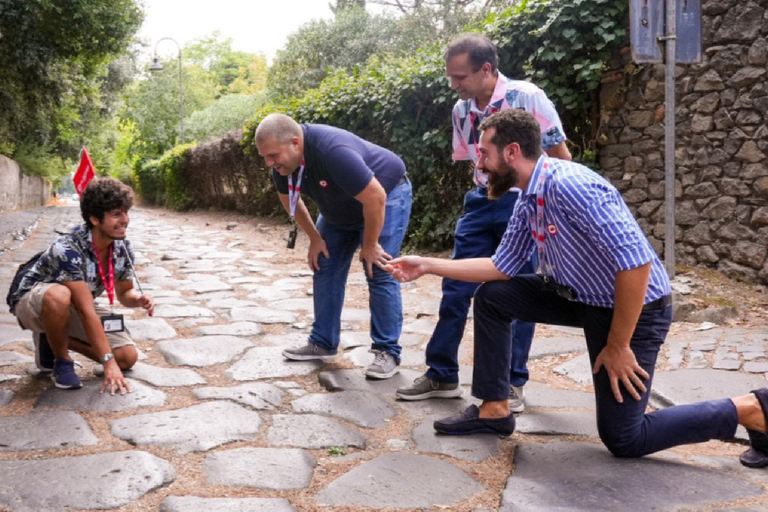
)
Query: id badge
[{"x": 113, "y": 323}]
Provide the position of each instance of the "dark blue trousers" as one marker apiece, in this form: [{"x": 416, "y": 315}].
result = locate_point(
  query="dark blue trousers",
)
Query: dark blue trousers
[
  {"x": 478, "y": 233},
  {"x": 625, "y": 429}
]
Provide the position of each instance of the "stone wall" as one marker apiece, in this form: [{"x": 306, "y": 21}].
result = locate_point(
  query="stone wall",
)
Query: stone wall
[
  {"x": 721, "y": 184},
  {"x": 19, "y": 191}
]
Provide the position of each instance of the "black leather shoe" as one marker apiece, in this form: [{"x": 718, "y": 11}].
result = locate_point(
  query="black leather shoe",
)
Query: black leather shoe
[
  {"x": 470, "y": 422},
  {"x": 757, "y": 455}
]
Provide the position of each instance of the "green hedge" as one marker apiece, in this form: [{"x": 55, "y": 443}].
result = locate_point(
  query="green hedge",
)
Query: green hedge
[{"x": 405, "y": 104}]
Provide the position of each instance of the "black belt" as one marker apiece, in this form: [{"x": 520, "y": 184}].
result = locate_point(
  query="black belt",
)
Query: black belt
[{"x": 660, "y": 303}]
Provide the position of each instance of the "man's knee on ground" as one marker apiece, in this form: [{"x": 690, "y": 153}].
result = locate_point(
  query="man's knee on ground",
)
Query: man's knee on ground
[
  {"x": 126, "y": 356},
  {"x": 486, "y": 298},
  {"x": 57, "y": 300},
  {"x": 625, "y": 447}
]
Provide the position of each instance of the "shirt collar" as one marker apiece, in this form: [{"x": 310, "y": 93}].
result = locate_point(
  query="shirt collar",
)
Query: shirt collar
[
  {"x": 499, "y": 93},
  {"x": 530, "y": 189}
]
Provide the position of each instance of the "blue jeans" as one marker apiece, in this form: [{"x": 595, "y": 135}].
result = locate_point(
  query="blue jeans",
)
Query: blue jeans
[
  {"x": 625, "y": 428},
  {"x": 329, "y": 283},
  {"x": 478, "y": 233}
]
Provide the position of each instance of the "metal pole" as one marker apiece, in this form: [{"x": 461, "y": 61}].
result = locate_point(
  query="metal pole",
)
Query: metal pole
[{"x": 669, "y": 139}]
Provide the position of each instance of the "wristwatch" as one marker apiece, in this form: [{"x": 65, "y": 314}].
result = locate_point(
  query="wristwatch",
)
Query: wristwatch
[{"x": 107, "y": 357}]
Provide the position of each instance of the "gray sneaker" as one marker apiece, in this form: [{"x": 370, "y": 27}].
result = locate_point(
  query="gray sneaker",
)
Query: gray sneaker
[
  {"x": 424, "y": 387},
  {"x": 516, "y": 399},
  {"x": 384, "y": 365},
  {"x": 309, "y": 352}
]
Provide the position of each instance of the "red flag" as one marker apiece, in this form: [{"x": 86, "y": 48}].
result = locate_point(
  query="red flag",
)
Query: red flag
[{"x": 85, "y": 172}]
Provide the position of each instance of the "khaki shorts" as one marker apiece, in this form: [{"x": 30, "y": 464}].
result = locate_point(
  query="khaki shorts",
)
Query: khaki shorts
[{"x": 29, "y": 311}]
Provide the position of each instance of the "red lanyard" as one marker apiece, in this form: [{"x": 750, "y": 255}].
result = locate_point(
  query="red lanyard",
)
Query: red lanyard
[
  {"x": 294, "y": 192},
  {"x": 109, "y": 285},
  {"x": 537, "y": 223}
]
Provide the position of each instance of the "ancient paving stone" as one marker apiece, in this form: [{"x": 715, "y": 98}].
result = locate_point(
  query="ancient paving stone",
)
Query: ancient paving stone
[
  {"x": 292, "y": 339},
  {"x": 4, "y": 377},
  {"x": 197, "y": 428},
  {"x": 167, "y": 282},
  {"x": 355, "y": 315},
  {"x": 362, "y": 356},
  {"x": 194, "y": 322},
  {"x": 411, "y": 481},
  {"x": 171, "y": 301},
  {"x": 354, "y": 340},
  {"x": 675, "y": 350},
  {"x": 558, "y": 345},
  {"x": 258, "y": 395},
  {"x": 9, "y": 358},
  {"x": 541, "y": 395},
  {"x": 262, "y": 315},
  {"x": 231, "y": 329},
  {"x": 189, "y": 503},
  {"x": 229, "y": 303},
  {"x": 263, "y": 255},
  {"x": 697, "y": 360},
  {"x": 728, "y": 361},
  {"x": 222, "y": 255},
  {"x": 689, "y": 386},
  {"x": 577, "y": 423},
  {"x": 42, "y": 430},
  {"x": 359, "y": 407},
  {"x": 149, "y": 329},
  {"x": 6, "y": 396},
  {"x": 756, "y": 367},
  {"x": 705, "y": 345},
  {"x": 205, "y": 286},
  {"x": 168, "y": 377},
  {"x": 290, "y": 284},
  {"x": 182, "y": 312},
  {"x": 244, "y": 280},
  {"x": 90, "y": 399},
  {"x": 562, "y": 476},
  {"x": 214, "y": 278},
  {"x": 302, "y": 304},
  {"x": 471, "y": 448},
  {"x": 420, "y": 326},
  {"x": 268, "y": 362},
  {"x": 204, "y": 351},
  {"x": 165, "y": 293},
  {"x": 343, "y": 380},
  {"x": 262, "y": 468},
  {"x": 102, "y": 481},
  {"x": 312, "y": 432},
  {"x": 13, "y": 334},
  {"x": 268, "y": 294},
  {"x": 578, "y": 369},
  {"x": 152, "y": 271}
]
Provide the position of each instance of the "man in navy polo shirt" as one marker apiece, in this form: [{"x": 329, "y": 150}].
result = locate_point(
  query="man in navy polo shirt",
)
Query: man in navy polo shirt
[
  {"x": 364, "y": 199},
  {"x": 596, "y": 271}
]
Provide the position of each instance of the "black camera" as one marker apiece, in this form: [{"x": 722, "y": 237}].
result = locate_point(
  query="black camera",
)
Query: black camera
[
  {"x": 292, "y": 237},
  {"x": 558, "y": 289}
]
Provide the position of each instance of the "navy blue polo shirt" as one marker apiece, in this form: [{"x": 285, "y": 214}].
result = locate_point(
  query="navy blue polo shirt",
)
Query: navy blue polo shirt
[{"x": 338, "y": 166}]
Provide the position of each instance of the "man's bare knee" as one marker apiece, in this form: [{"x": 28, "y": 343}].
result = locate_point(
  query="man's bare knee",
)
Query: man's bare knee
[
  {"x": 57, "y": 300},
  {"x": 126, "y": 357}
]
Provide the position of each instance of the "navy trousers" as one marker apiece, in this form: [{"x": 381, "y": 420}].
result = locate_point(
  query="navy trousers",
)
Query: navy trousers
[
  {"x": 478, "y": 233},
  {"x": 625, "y": 428}
]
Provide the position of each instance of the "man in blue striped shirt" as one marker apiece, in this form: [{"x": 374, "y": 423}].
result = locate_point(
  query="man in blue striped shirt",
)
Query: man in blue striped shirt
[{"x": 597, "y": 271}]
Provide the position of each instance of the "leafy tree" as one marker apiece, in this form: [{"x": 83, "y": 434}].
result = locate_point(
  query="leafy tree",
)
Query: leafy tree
[
  {"x": 228, "y": 113},
  {"x": 234, "y": 72}
]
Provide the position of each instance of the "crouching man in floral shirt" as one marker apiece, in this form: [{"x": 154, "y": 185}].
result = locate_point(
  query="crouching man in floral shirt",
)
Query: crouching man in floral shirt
[{"x": 55, "y": 297}]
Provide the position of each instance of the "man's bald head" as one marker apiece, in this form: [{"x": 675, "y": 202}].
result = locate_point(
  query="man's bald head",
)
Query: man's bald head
[{"x": 277, "y": 127}]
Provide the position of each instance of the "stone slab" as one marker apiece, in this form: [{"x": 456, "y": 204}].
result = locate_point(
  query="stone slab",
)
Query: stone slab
[
  {"x": 362, "y": 357},
  {"x": 258, "y": 395},
  {"x": 542, "y": 347},
  {"x": 13, "y": 334},
  {"x": 205, "y": 286},
  {"x": 311, "y": 431},
  {"x": 89, "y": 398},
  {"x": 10, "y": 358},
  {"x": 149, "y": 329},
  {"x": 555, "y": 423},
  {"x": 6, "y": 397},
  {"x": 541, "y": 395},
  {"x": 193, "y": 503},
  {"x": 343, "y": 380},
  {"x": 470, "y": 448},
  {"x": 231, "y": 329},
  {"x": 229, "y": 303},
  {"x": 268, "y": 362},
  {"x": 362, "y": 408},
  {"x": 563, "y": 476},
  {"x": 4, "y": 377},
  {"x": 167, "y": 377},
  {"x": 302, "y": 304},
  {"x": 276, "y": 469},
  {"x": 261, "y": 315},
  {"x": 268, "y": 293},
  {"x": 578, "y": 369},
  {"x": 421, "y": 326},
  {"x": 197, "y": 428},
  {"x": 43, "y": 430},
  {"x": 411, "y": 481},
  {"x": 102, "y": 481},
  {"x": 689, "y": 386},
  {"x": 182, "y": 312},
  {"x": 203, "y": 351}
]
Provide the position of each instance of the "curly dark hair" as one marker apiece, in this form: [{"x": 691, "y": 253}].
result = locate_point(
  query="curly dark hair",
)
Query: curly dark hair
[
  {"x": 103, "y": 195},
  {"x": 515, "y": 125}
]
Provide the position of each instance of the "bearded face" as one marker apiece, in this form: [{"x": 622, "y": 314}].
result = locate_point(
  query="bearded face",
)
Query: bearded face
[{"x": 500, "y": 180}]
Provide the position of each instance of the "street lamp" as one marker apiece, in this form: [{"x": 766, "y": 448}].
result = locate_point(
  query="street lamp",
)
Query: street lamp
[{"x": 156, "y": 66}]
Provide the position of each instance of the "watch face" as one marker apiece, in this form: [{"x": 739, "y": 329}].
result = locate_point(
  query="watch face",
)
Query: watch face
[{"x": 107, "y": 358}]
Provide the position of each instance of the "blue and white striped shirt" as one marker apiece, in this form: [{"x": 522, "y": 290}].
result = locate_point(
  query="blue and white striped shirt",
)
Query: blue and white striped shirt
[{"x": 591, "y": 234}]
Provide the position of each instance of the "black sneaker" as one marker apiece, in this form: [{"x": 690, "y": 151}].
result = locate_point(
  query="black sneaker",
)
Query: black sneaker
[
  {"x": 309, "y": 352},
  {"x": 43, "y": 354},
  {"x": 64, "y": 376}
]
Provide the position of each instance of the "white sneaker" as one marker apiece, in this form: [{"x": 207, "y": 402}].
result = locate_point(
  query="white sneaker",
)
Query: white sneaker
[
  {"x": 384, "y": 365},
  {"x": 516, "y": 399}
]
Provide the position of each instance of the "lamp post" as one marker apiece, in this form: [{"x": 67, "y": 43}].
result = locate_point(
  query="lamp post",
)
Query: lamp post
[{"x": 156, "y": 66}]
